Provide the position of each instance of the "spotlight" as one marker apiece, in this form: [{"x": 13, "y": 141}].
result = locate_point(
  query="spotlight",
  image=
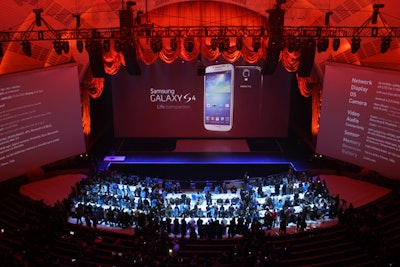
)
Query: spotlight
[
  {"x": 201, "y": 70},
  {"x": 256, "y": 44},
  {"x": 223, "y": 44},
  {"x": 129, "y": 44},
  {"x": 118, "y": 45},
  {"x": 79, "y": 45},
  {"x": 322, "y": 44},
  {"x": 291, "y": 46},
  {"x": 336, "y": 44},
  {"x": 26, "y": 47},
  {"x": 173, "y": 43},
  {"x": 385, "y": 45},
  {"x": 106, "y": 45},
  {"x": 214, "y": 42},
  {"x": 65, "y": 47},
  {"x": 88, "y": 46},
  {"x": 189, "y": 44},
  {"x": 355, "y": 44},
  {"x": 297, "y": 44},
  {"x": 276, "y": 43},
  {"x": 239, "y": 43},
  {"x": 281, "y": 43},
  {"x": 57, "y": 47},
  {"x": 156, "y": 45},
  {"x": 308, "y": 43}
]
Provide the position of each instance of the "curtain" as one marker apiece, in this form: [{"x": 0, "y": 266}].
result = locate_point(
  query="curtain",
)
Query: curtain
[
  {"x": 311, "y": 87},
  {"x": 90, "y": 88}
]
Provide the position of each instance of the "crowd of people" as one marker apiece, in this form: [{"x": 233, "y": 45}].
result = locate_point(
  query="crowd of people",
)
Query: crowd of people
[
  {"x": 219, "y": 207},
  {"x": 159, "y": 237}
]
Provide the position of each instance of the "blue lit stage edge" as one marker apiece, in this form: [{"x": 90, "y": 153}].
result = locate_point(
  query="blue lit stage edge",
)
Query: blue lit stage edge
[
  {"x": 195, "y": 158},
  {"x": 203, "y": 159},
  {"x": 199, "y": 166}
]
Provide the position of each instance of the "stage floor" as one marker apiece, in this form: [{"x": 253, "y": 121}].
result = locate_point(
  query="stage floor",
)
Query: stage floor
[{"x": 198, "y": 166}]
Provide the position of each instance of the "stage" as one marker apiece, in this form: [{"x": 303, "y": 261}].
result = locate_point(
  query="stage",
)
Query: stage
[
  {"x": 187, "y": 166},
  {"x": 198, "y": 158}
]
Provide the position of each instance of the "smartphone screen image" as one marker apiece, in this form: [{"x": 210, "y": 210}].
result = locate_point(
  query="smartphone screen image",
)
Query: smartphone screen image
[{"x": 218, "y": 97}]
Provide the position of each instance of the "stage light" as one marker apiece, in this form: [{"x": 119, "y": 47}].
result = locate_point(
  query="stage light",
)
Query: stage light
[
  {"x": 65, "y": 47},
  {"x": 118, "y": 45},
  {"x": 174, "y": 44},
  {"x": 291, "y": 45},
  {"x": 57, "y": 47},
  {"x": 385, "y": 45},
  {"x": 281, "y": 42},
  {"x": 221, "y": 47},
  {"x": 276, "y": 43},
  {"x": 26, "y": 47},
  {"x": 79, "y": 46},
  {"x": 355, "y": 44},
  {"x": 239, "y": 43},
  {"x": 88, "y": 46},
  {"x": 297, "y": 44},
  {"x": 156, "y": 45},
  {"x": 223, "y": 44},
  {"x": 322, "y": 44},
  {"x": 309, "y": 42},
  {"x": 189, "y": 44},
  {"x": 201, "y": 70},
  {"x": 256, "y": 44},
  {"x": 214, "y": 42},
  {"x": 106, "y": 45},
  {"x": 336, "y": 44}
]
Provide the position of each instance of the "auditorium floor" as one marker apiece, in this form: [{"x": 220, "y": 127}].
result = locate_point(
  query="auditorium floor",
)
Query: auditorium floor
[{"x": 357, "y": 192}]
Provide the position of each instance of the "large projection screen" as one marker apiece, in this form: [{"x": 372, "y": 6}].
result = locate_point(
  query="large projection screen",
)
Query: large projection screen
[
  {"x": 360, "y": 117},
  {"x": 40, "y": 119},
  {"x": 175, "y": 101}
]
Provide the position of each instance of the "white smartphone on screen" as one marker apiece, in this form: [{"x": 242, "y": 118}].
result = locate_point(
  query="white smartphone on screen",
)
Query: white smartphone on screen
[{"x": 218, "y": 97}]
